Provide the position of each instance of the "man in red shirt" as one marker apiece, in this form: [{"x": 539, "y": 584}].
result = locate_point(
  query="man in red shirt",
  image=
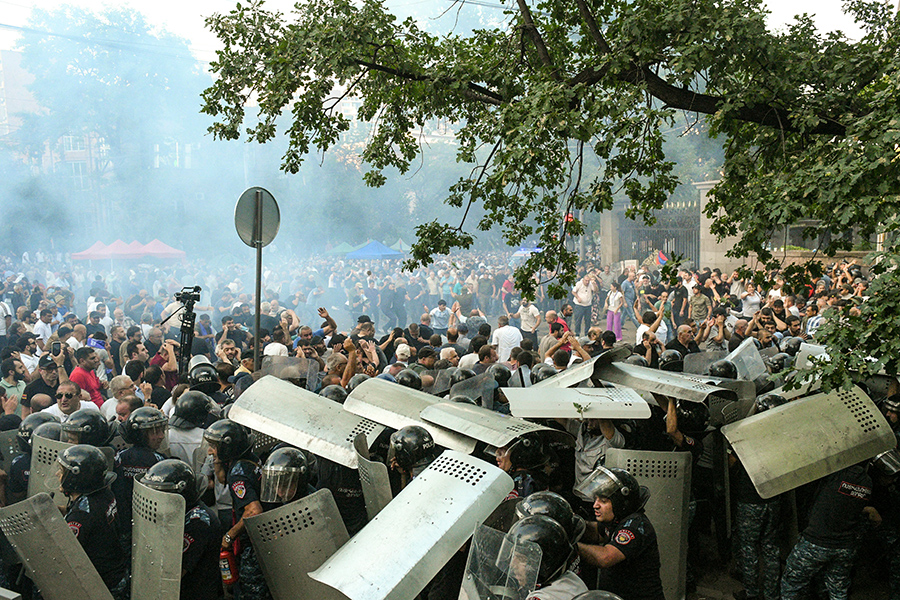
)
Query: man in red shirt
[
  {"x": 167, "y": 360},
  {"x": 85, "y": 374}
]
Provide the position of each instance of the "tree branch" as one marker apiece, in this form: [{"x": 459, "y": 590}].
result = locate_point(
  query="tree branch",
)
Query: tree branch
[
  {"x": 537, "y": 39},
  {"x": 588, "y": 17},
  {"x": 473, "y": 91}
]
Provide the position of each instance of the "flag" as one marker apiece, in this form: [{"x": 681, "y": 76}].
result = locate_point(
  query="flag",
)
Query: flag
[{"x": 661, "y": 258}]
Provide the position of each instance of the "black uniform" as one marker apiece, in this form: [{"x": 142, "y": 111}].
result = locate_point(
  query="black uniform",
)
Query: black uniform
[
  {"x": 94, "y": 521},
  {"x": 17, "y": 484},
  {"x": 244, "y": 484},
  {"x": 200, "y": 554},
  {"x": 347, "y": 491},
  {"x": 130, "y": 463},
  {"x": 636, "y": 577}
]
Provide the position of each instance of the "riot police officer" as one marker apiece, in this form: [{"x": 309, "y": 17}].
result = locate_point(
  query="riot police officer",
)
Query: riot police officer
[
  {"x": 555, "y": 582},
  {"x": 285, "y": 476},
  {"x": 412, "y": 449},
  {"x": 86, "y": 427},
  {"x": 200, "y": 578},
  {"x": 622, "y": 541},
  {"x": 190, "y": 415},
  {"x": 17, "y": 485},
  {"x": 92, "y": 513},
  {"x": 523, "y": 459}
]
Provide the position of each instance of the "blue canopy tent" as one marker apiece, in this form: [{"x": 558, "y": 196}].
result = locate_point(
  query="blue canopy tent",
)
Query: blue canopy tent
[{"x": 374, "y": 251}]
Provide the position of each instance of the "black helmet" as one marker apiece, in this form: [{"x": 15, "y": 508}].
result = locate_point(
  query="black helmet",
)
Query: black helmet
[
  {"x": 637, "y": 359},
  {"x": 412, "y": 446},
  {"x": 693, "y": 417},
  {"x": 527, "y": 452},
  {"x": 779, "y": 362},
  {"x": 767, "y": 401},
  {"x": 175, "y": 476},
  {"x": 334, "y": 392},
  {"x": 597, "y": 595},
  {"x": 231, "y": 439},
  {"x": 891, "y": 403},
  {"x": 554, "y": 506},
  {"x": 671, "y": 360},
  {"x": 500, "y": 373},
  {"x": 723, "y": 368},
  {"x": 461, "y": 375},
  {"x": 409, "y": 378},
  {"x": 285, "y": 476},
  {"x": 887, "y": 463},
  {"x": 191, "y": 410},
  {"x": 618, "y": 485},
  {"x": 791, "y": 345},
  {"x": 27, "y": 427},
  {"x": 541, "y": 372},
  {"x": 463, "y": 399},
  {"x": 51, "y": 430},
  {"x": 550, "y": 536},
  {"x": 355, "y": 381},
  {"x": 87, "y": 427},
  {"x": 204, "y": 378},
  {"x": 83, "y": 469},
  {"x": 140, "y": 422}
]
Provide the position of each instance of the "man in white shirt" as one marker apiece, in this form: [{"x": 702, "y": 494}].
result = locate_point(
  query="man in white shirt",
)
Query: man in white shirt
[
  {"x": 43, "y": 330},
  {"x": 68, "y": 400},
  {"x": 440, "y": 318},
  {"x": 505, "y": 337},
  {"x": 530, "y": 319}
]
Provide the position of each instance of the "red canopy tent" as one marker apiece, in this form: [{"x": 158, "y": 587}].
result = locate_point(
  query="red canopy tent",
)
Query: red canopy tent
[
  {"x": 95, "y": 252},
  {"x": 157, "y": 249},
  {"x": 119, "y": 249}
]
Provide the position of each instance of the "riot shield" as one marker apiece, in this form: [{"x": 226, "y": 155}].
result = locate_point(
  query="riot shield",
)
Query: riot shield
[
  {"x": 804, "y": 440},
  {"x": 479, "y": 389},
  {"x": 441, "y": 385},
  {"x": 55, "y": 560},
  {"x": 118, "y": 443},
  {"x": 297, "y": 370},
  {"x": 668, "y": 477},
  {"x": 294, "y": 539},
  {"x": 576, "y": 403},
  {"x": 424, "y": 526},
  {"x": 376, "y": 485},
  {"x": 673, "y": 385},
  {"x": 262, "y": 443},
  {"x": 747, "y": 360},
  {"x": 698, "y": 362},
  {"x": 499, "y": 568},
  {"x": 586, "y": 372},
  {"x": 9, "y": 448},
  {"x": 504, "y": 516},
  {"x": 806, "y": 352},
  {"x": 397, "y": 406},
  {"x": 156, "y": 543},
  {"x": 306, "y": 420},
  {"x": 485, "y": 425},
  {"x": 42, "y": 477}
]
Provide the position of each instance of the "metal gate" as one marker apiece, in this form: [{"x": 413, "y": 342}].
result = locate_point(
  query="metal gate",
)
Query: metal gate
[{"x": 677, "y": 231}]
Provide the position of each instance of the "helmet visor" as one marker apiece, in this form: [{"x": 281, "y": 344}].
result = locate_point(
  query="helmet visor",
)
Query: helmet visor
[
  {"x": 280, "y": 485},
  {"x": 602, "y": 483},
  {"x": 888, "y": 463}
]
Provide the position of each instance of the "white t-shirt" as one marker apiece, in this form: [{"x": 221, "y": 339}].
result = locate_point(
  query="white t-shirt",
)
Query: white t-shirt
[
  {"x": 661, "y": 332},
  {"x": 529, "y": 316},
  {"x": 43, "y": 331},
  {"x": 54, "y": 410},
  {"x": 506, "y": 338}
]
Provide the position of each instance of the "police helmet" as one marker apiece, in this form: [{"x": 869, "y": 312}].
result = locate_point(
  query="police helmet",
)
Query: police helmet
[
  {"x": 334, "y": 392},
  {"x": 887, "y": 463},
  {"x": 671, "y": 360},
  {"x": 791, "y": 345},
  {"x": 51, "y": 430},
  {"x": 550, "y": 536},
  {"x": 409, "y": 378},
  {"x": 693, "y": 417},
  {"x": 204, "y": 378},
  {"x": 723, "y": 368},
  {"x": 767, "y": 401},
  {"x": 355, "y": 381},
  {"x": 541, "y": 372},
  {"x": 597, "y": 595},
  {"x": 891, "y": 403},
  {"x": 231, "y": 440},
  {"x": 779, "y": 362},
  {"x": 285, "y": 476},
  {"x": 461, "y": 375},
  {"x": 83, "y": 470},
  {"x": 412, "y": 446},
  {"x": 500, "y": 373},
  {"x": 463, "y": 399},
  {"x": 27, "y": 427},
  {"x": 637, "y": 359},
  {"x": 527, "y": 452},
  {"x": 140, "y": 423},
  {"x": 87, "y": 427},
  {"x": 177, "y": 477},
  {"x": 191, "y": 410},
  {"x": 554, "y": 506},
  {"x": 617, "y": 485}
]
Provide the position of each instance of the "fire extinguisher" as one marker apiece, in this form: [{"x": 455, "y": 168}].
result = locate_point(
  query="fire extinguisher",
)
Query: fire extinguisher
[{"x": 228, "y": 567}]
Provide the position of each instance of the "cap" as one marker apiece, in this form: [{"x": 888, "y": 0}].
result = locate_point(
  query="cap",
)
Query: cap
[
  {"x": 363, "y": 319},
  {"x": 403, "y": 352},
  {"x": 45, "y": 362},
  {"x": 426, "y": 352}
]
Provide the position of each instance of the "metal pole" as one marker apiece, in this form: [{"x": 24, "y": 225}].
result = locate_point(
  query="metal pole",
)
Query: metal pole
[{"x": 257, "y": 240}]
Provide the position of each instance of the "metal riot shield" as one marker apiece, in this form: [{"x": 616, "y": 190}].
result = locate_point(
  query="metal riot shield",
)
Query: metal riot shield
[
  {"x": 425, "y": 525},
  {"x": 698, "y": 362},
  {"x": 309, "y": 421},
  {"x": 479, "y": 389},
  {"x": 9, "y": 448},
  {"x": 262, "y": 443},
  {"x": 294, "y": 539},
  {"x": 42, "y": 477},
  {"x": 747, "y": 360},
  {"x": 55, "y": 560},
  {"x": 586, "y": 372},
  {"x": 668, "y": 477},
  {"x": 157, "y": 542},
  {"x": 298, "y": 370},
  {"x": 485, "y": 425},
  {"x": 441, "y": 385},
  {"x": 722, "y": 410},
  {"x": 397, "y": 406},
  {"x": 804, "y": 440},
  {"x": 9, "y": 595},
  {"x": 499, "y": 568},
  {"x": 504, "y": 516},
  {"x": 673, "y": 385},
  {"x": 373, "y": 475},
  {"x": 805, "y": 353},
  {"x": 576, "y": 403}
]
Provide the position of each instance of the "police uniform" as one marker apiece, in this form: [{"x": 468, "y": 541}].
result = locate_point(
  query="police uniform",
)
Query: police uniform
[
  {"x": 244, "y": 484},
  {"x": 130, "y": 463},
  {"x": 17, "y": 484},
  {"x": 347, "y": 491},
  {"x": 525, "y": 483},
  {"x": 564, "y": 587},
  {"x": 94, "y": 520},
  {"x": 636, "y": 577},
  {"x": 200, "y": 554},
  {"x": 757, "y": 525},
  {"x": 830, "y": 541}
]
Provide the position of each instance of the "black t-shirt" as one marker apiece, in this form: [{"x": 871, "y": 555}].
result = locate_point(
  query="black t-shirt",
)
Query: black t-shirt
[
  {"x": 636, "y": 577},
  {"x": 676, "y": 345},
  {"x": 678, "y": 295},
  {"x": 95, "y": 522},
  {"x": 200, "y": 554},
  {"x": 38, "y": 386},
  {"x": 836, "y": 517},
  {"x": 131, "y": 463}
]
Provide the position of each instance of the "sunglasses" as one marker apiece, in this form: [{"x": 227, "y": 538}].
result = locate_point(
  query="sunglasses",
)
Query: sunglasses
[{"x": 70, "y": 395}]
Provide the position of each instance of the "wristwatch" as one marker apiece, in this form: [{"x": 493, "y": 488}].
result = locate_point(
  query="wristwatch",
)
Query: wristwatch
[{"x": 228, "y": 539}]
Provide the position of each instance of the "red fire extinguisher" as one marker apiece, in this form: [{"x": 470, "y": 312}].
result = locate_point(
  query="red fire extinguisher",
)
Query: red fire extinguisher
[{"x": 228, "y": 567}]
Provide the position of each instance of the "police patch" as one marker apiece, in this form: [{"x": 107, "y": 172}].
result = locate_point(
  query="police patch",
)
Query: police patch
[
  {"x": 623, "y": 536},
  {"x": 238, "y": 488},
  {"x": 188, "y": 540},
  {"x": 74, "y": 527}
]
